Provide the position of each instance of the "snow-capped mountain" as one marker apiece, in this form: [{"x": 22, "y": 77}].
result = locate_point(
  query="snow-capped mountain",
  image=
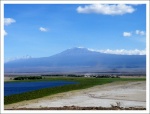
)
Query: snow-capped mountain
[{"x": 79, "y": 60}]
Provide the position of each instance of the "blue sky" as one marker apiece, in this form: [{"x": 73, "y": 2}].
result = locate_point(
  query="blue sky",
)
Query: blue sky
[{"x": 41, "y": 30}]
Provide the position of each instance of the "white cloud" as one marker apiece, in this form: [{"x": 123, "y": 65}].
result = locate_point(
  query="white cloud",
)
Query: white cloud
[
  {"x": 127, "y": 34},
  {"x": 122, "y": 51},
  {"x": 139, "y": 32},
  {"x": 8, "y": 21},
  {"x": 43, "y": 29},
  {"x": 106, "y": 9},
  {"x": 5, "y": 33},
  {"x": 18, "y": 58}
]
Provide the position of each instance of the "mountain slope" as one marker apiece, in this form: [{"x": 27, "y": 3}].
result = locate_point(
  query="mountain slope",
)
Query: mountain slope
[{"x": 78, "y": 60}]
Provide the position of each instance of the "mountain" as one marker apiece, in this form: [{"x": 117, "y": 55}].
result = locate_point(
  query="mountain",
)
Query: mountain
[{"x": 79, "y": 60}]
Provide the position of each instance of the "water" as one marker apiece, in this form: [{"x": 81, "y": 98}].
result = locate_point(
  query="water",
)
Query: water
[{"x": 21, "y": 87}]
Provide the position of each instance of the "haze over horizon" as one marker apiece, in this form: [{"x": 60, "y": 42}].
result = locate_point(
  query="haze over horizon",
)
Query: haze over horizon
[{"x": 41, "y": 30}]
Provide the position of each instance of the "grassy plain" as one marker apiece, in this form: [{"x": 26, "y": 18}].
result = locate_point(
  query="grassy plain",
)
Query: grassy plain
[{"x": 82, "y": 84}]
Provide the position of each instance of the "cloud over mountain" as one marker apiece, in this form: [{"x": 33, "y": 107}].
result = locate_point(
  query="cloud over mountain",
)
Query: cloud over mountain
[{"x": 123, "y": 51}]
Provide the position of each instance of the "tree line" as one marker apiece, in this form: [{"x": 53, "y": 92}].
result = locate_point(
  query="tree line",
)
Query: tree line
[{"x": 28, "y": 78}]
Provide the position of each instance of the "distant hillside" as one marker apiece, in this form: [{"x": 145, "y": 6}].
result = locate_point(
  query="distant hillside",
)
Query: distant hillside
[{"x": 79, "y": 60}]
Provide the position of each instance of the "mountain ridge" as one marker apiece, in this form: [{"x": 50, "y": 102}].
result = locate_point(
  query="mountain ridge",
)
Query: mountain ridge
[{"x": 78, "y": 59}]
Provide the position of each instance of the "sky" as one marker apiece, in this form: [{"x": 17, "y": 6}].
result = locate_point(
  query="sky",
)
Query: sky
[{"x": 42, "y": 30}]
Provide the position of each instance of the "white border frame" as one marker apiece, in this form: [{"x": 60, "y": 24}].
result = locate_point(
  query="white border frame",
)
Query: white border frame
[{"x": 74, "y": 2}]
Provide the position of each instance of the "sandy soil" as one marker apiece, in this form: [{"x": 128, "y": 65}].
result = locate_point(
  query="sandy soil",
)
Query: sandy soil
[{"x": 123, "y": 94}]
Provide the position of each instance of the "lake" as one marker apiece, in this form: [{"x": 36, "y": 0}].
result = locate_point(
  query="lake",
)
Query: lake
[{"x": 11, "y": 88}]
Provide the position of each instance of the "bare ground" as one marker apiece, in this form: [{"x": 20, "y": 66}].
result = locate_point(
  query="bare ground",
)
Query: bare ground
[{"x": 112, "y": 96}]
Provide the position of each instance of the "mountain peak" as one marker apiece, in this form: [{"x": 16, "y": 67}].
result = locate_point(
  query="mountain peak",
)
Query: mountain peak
[{"x": 77, "y": 50}]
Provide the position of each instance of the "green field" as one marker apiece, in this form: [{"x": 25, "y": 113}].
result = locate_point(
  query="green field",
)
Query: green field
[{"x": 82, "y": 84}]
